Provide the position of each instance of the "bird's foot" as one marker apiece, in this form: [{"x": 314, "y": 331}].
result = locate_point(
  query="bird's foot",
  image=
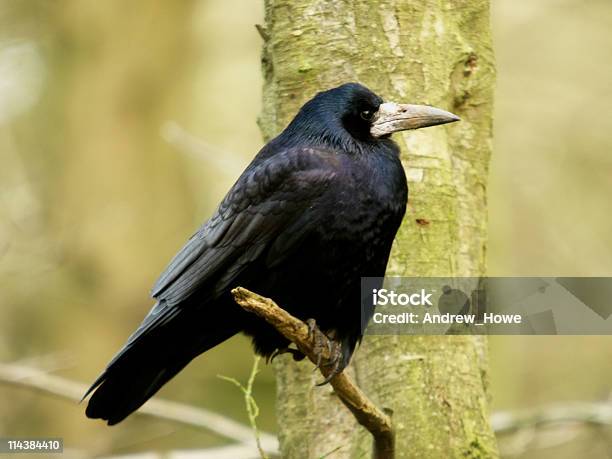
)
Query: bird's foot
[
  {"x": 335, "y": 361},
  {"x": 297, "y": 355},
  {"x": 319, "y": 340},
  {"x": 334, "y": 349}
]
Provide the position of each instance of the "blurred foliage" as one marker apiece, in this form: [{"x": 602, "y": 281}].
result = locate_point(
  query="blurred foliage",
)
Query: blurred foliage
[{"x": 94, "y": 201}]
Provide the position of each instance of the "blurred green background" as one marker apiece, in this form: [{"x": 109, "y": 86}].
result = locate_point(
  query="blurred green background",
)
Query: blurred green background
[{"x": 122, "y": 124}]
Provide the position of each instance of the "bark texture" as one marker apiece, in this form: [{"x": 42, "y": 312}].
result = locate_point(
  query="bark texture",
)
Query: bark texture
[{"x": 427, "y": 52}]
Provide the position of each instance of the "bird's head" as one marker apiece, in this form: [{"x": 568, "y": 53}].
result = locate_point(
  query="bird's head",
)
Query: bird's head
[{"x": 353, "y": 110}]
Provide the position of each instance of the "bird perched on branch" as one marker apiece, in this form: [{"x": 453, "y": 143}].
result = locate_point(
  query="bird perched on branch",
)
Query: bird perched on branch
[{"x": 316, "y": 210}]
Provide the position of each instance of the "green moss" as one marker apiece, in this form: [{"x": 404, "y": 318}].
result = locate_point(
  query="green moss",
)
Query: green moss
[{"x": 304, "y": 68}]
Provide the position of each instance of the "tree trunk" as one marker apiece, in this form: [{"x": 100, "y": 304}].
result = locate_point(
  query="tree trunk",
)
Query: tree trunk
[{"x": 428, "y": 52}]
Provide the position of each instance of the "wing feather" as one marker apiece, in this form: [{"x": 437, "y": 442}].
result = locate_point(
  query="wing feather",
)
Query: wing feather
[{"x": 259, "y": 212}]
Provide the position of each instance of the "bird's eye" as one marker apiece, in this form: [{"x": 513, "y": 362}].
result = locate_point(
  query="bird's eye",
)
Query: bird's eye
[{"x": 367, "y": 115}]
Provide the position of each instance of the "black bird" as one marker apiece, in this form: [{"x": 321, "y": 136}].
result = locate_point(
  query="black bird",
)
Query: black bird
[{"x": 316, "y": 210}]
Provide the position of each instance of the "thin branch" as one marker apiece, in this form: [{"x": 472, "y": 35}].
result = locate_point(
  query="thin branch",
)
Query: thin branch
[
  {"x": 364, "y": 410},
  {"x": 48, "y": 363},
  {"x": 40, "y": 381},
  {"x": 263, "y": 32},
  {"x": 559, "y": 413},
  {"x": 239, "y": 451},
  {"x": 187, "y": 143},
  {"x": 251, "y": 404}
]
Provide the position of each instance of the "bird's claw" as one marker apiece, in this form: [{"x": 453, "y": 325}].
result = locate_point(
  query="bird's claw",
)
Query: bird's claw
[
  {"x": 335, "y": 361},
  {"x": 319, "y": 341},
  {"x": 297, "y": 355}
]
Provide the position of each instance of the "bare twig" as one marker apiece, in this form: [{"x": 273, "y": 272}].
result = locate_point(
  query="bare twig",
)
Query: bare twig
[
  {"x": 239, "y": 451},
  {"x": 48, "y": 363},
  {"x": 548, "y": 426},
  {"x": 558, "y": 413},
  {"x": 187, "y": 143},
  {"x": 263, "y": 33},
  {"x": 365, "y": 412},
  {"x": 251, "y": 405},
  {"x": 35, "y": 379}
]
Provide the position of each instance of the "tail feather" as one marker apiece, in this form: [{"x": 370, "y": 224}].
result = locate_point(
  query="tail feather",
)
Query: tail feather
[
  {"x": 148, "y": 361},
  {"x": 118, "y": 393}
]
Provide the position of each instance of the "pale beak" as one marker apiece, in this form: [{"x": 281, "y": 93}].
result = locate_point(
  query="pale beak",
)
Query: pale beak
[{"x": 392, "y": 117}]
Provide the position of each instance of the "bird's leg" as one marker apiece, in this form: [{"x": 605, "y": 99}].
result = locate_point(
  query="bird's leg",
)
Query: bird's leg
[
  {"x": 320, "y": 340},
  {"x": 297, "y": 355}
]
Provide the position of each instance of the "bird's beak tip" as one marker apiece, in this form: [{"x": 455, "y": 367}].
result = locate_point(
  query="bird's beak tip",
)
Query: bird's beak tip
[
  {"x": 452, "y": 118},
  {"x": 400, "y": 117}
]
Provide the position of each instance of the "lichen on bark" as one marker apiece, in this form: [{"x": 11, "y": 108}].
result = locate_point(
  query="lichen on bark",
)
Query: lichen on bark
[{"x": 436, "y": 52}]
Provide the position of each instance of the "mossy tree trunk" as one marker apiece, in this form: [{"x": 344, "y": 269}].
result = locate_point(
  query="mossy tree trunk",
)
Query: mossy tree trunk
[{"x": 429, "y": 52}]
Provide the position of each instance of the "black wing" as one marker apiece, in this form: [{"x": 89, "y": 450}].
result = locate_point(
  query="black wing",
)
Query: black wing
[
  {"x": 265, "y": 202},
  {"x": 266, "y": 208}
]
